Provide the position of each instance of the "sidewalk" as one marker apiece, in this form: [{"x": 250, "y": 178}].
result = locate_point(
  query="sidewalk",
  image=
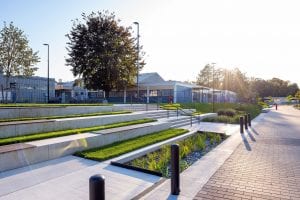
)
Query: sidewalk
[{"x": 265, "y": 166}]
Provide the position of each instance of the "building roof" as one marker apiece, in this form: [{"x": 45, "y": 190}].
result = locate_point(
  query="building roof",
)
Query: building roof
[{"x": 153, "y": 77}]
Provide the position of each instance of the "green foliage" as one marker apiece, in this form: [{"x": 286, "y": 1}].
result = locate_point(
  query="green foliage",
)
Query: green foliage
[
  {"x": 40, "y": 105},
  {"x": 227, "y": 112},
  {"x": 223, "y": 119},
  {"x": 247, "y": 89},
  {"x": 41, "y": 136},
  {"x": 199, "y": 141},
  {"x": 160, "y": 160},
  {"x": 65, "y": 116},
  {"x": 103, "y": 52},
  {"x": 16, "y": 57},
  {"x": 122, "y": 147},
  {"x": 262, "y": 104},
  {"x": 173, "y": 106}
]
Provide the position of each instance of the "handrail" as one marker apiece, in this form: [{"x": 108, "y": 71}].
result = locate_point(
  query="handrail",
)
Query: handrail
[{"x": 189, "y": 114}]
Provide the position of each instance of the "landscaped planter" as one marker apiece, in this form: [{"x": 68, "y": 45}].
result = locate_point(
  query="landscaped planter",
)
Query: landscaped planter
[{"x": 191, "y": 150}]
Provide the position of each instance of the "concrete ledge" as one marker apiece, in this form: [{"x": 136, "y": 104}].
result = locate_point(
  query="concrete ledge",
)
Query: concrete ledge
[
  {"x": 207, "y": 115},
  {"x": 141, "y": 152},
  {"x": 12, "y": 130},
  {"x": 7, "y": 113},
  {"x": 57, "y": 147}
]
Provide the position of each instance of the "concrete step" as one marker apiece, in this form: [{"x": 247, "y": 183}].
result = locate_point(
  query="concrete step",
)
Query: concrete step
[
  {"x": 29, "y": 153},
  {"x": 25, "y": 128}
]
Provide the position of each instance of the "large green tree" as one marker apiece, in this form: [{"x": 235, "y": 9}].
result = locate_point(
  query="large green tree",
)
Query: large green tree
[
  {"x": 102, "y": 52},
  {"x": 16, "y": 57}
]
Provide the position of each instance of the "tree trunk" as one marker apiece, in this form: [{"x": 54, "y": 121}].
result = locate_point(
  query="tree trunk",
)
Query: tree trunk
[
  {"x": 6, "y": 88},
  {"x": 106, "y": 93},
  {"x": 2, "y": 91}
]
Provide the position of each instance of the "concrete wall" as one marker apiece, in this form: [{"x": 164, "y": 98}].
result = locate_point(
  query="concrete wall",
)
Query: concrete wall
[
  {"x": 8, "y": 113},
  {"x": 54, "y": 149},
  {"x": 53, "y": 111},
  {"x": 63, "y": 124}
]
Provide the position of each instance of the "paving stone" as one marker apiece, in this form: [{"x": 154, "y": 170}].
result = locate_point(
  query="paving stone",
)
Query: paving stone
[{"x": 269, "y": 168}]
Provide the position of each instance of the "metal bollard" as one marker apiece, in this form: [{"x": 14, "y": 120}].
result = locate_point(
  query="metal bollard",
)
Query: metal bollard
[
  {"x": 241, "y": 124},
  {"x": 246, "y": 122},
  {"x": 249, "y": 119},
  {"x": 191, "y": 120},
  {"x": 177, "y": 111},
  {"x": 97, "y": 187},
  {"x": 168, "y": 113},
  {"x": 175, "y": 189}
]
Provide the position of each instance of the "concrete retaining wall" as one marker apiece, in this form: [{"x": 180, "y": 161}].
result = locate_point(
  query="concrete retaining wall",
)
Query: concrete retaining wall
[
  {"x": 7, "y": 113},
  {"x": 55, "y": 149},
  {"x": 63, "y": 124}
]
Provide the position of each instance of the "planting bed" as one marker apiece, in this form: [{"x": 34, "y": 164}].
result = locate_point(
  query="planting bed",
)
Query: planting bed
[{"x": 191, "y": 150}]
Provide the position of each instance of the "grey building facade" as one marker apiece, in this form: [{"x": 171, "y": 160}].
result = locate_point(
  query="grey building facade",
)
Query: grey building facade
[{"x": 21, "y": 89}]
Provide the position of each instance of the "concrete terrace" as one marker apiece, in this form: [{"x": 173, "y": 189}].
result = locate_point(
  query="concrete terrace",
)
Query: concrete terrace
[{"x": 264, "y": 163}]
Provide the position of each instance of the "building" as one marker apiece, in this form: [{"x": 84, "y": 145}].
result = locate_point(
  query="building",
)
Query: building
[
  {"x": 69, "y": 92},
  {"x": 154, "y": 89},
  {"x": 22, "y": 89}
]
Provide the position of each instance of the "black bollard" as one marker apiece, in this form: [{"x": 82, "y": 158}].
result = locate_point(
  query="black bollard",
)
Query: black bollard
[
  {"x": 249, "y": 119},
  {"x": 175, "y": 169},
  {"x": 241, "y": 124},
  {"x": 246, "y": 121},
  {"x": 97, "y": 187}
]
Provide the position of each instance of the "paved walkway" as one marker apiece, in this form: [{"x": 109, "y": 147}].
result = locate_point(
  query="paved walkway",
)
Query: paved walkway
[
  {"x": 265, "y": 166},
  {"x": 67, "y": 178}
]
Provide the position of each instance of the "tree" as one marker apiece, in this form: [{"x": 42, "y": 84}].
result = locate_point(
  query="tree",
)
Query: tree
[
  {"x": 16, "y": 57},
  {"x": 297, "y": 96},
  {"x": 102, "y": 52}
]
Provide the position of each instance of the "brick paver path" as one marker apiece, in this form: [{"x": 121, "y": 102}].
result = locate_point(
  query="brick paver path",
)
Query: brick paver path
[{"x": 265, "y": 166}]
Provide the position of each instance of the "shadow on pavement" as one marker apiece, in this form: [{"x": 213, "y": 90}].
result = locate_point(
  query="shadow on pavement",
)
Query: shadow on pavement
[
  {"x": 250, "y": 136},
  {"x": 246, "y": 143},
  {"x": 254, "y": 131}
]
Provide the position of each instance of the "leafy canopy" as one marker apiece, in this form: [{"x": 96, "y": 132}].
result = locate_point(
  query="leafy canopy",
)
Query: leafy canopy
[
  {"x": 16, "y": 57},
  {"x": 102, "y": 52}
]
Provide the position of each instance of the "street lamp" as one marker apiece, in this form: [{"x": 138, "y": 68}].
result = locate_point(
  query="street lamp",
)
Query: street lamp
[
  {"x": 213, "y": 86},
  {"x": 138, "y": 52},
  {"x": 48, "y": 75}
]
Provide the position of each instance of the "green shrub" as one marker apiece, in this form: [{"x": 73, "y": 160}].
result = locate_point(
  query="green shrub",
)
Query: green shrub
[
  {"x": 223, "y": 119},
  {"x": 125, "y": 146},
  {"x": 227, "y": 112}
]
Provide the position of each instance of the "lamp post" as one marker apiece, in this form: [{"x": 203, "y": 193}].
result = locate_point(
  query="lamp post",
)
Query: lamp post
[
  {"x": 137, "y": 64},
  {"x": 48, "y": 92},
  {"x": 213, "y": 86}
]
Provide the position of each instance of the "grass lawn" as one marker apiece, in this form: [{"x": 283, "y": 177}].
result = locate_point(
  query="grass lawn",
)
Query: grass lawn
[
  {"x": 40, "y": 136},
  {"x": 241, "y": 109},
  {"x": 51, "y": 105},
  {"x": 65, "y": 116},
  {"x": 253, "y": 109},
  {"x": 119, "y": 148},
  {"x": 172, "y": 106}
]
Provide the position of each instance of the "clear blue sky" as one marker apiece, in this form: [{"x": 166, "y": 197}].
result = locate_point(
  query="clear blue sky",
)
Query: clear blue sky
[{"x": 261, "y": 38}]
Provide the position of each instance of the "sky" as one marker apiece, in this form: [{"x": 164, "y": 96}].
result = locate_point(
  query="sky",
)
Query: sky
[{"x": 260, "y": 37}]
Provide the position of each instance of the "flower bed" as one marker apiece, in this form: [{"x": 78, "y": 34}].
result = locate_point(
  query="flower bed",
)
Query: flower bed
[{"x": 191, "y": 150}]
